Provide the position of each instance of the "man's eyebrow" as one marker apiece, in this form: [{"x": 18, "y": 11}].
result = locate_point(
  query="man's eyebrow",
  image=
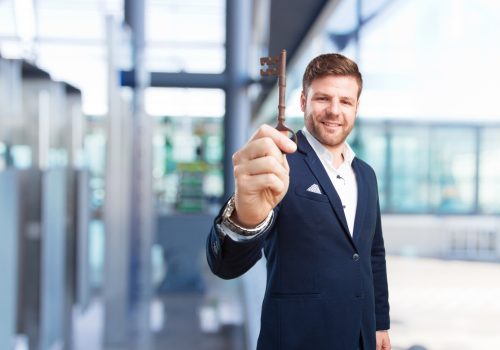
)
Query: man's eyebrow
[
  {"x": 348, "y": 98},
  {"x": 320, "y": 93}
]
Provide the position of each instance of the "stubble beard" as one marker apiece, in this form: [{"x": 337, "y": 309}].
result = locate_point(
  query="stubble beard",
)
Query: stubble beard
[{"x": 326, "y": 138}]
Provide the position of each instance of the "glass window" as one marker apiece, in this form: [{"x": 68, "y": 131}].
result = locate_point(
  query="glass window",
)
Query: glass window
[
  {"x": 369, "y": 142},
  {"x": 409, "y": 169},
  {"x": 188, "y": 148},
  {"x": 452, "y": 170},
  {"x": 187, "y": 35},
  {"x": 188, "y": 172},
  {"x": 489, "y": 171},
  {"x": 7, "y": 19},
  {"x": 183, "y": 102},
  {"x": 409, "y": 45}
]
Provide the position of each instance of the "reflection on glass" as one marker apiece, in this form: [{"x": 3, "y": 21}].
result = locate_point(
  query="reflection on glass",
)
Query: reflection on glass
[
  {"x": 409, "y": 169},
  {"x": 187, "y": 35},
  {"x": 95, "y": 151},
  {"x": 453, "y": 169},
  {"x": 188, "y": 174},
  {"x": 489, "y": 171},
  {"x": 370, "y": 144},
  {"x": 3, "y": 160},
  {"x": 21, "y": 156},
  {"x": 426, "y": 169}
]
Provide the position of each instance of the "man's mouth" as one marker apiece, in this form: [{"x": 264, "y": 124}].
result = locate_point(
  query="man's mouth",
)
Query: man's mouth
[{"x": 331, "y": 124}]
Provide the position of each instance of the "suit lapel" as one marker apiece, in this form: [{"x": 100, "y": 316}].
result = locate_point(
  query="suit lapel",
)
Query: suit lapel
[
  {"x": 321, "y": 175},
  {"x": 361, "y": 204}
]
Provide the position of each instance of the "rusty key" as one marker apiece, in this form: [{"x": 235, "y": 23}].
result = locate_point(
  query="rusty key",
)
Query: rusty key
[{"x": 276, "y": 65}]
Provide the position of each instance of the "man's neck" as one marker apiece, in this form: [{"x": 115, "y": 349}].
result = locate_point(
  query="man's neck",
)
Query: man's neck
[
  {"x": 337, "y": 152},
  {"x": 337, "y": 155}
]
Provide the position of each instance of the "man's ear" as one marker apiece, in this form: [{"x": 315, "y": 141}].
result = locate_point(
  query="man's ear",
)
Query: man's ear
[{"x": 302, "y": 101}]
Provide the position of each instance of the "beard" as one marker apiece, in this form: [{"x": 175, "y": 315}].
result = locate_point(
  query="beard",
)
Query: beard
[{"x": 329, "y": 137}]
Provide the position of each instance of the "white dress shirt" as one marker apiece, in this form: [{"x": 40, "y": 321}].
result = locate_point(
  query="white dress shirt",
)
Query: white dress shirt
[{"x": 343, "y": 178}]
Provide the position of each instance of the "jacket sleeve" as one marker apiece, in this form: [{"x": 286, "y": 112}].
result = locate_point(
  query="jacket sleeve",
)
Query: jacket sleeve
[
  {"x": 230, "y": 259},
  {"x": 380, "y": 277}
]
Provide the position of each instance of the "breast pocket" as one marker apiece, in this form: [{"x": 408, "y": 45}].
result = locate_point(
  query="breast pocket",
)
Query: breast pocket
[{"x": 302, "y": 191}]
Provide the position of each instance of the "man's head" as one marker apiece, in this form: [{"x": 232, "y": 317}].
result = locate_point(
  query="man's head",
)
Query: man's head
[
  {"x": 332, "y": 85},
  {"x": 333, "y": 64}
]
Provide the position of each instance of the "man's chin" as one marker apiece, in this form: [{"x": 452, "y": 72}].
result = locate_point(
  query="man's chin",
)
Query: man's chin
[
  {"x": 331, "y": 143},
  {"x": 331, "y": 140}
]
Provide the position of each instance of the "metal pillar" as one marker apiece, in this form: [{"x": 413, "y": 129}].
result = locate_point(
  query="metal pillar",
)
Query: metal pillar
[
  {"x": 116, "y": 209},
  {"x": 359, "y": 24},
  {"x": 178, "y": 80},
  {"x": 237, "y": 118},
  {"x": 9, "y": 217},
  {"x": 141, "y": 213}
]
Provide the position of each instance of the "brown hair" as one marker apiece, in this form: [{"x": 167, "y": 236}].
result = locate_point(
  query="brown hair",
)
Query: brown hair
[{"x": 331, "y": 64}]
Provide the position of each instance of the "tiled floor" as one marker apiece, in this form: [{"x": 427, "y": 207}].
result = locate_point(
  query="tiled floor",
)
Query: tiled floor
[
  {"x": 444, "y": 305},
  {"x": 435, "y": 304}
]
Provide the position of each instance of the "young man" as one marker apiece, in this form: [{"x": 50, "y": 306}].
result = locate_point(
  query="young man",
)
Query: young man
[{"x": 315, "y": 212}]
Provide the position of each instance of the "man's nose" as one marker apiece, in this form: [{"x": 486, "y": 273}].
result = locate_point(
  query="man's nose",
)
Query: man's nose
[{"x": 334, "y": 107}]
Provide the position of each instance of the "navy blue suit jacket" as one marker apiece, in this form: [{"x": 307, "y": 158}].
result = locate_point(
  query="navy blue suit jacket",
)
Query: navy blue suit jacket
[{"x": 325, "y": 287}]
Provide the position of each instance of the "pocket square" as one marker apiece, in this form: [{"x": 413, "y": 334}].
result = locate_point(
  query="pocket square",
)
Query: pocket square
[{"x": 314, "y": 188}]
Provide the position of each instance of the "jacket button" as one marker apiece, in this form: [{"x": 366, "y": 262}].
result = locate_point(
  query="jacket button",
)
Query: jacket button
[
  {"x": 355, "y": 257},
  {"x": 215, "y": 247}
]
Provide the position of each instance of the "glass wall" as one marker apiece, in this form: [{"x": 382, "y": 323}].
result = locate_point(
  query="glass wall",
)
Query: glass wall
[
  {"x": 188, "y": 148},
  {"x": 369, "y": 141},
  {"x": 452, "y": 170},
  {"x": 432, "y": 168},
  {"x": 185, "y": 36},
  {"x": 489, "y": 171},
  {"x": 409, "y": 168}
]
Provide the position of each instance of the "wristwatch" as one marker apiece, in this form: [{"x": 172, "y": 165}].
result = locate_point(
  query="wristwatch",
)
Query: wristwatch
[{"x": 230, "y": 224}]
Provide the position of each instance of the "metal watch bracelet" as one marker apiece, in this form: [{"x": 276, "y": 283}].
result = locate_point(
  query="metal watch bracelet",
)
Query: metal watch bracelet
[{"x": 226, "y": 220}]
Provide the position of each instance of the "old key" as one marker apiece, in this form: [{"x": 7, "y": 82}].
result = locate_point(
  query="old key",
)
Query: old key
[{"x": 277, "y": 66}]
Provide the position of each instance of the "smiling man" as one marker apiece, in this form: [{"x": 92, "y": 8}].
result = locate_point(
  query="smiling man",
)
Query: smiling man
[{"x": 314, "y": 210}]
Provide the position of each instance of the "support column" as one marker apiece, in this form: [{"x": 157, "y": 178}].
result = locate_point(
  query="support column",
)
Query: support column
[
  {"x": 142, "y": 213},
  {"x": 236, "y": 129},
  {"x": 237, "y": 117},
  {"x": 116, "y": 206}
]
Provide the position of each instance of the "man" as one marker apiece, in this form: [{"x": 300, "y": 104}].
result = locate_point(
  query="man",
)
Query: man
[{"x": 315, "y": 212}]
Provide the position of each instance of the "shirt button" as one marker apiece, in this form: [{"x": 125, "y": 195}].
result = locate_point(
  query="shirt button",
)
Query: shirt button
[
  {"x": 355, "y": 257},
  {"x": 343, "y": 206}
]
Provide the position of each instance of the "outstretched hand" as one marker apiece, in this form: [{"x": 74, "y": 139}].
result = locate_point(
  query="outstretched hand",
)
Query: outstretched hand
[{"x": 261, "y": 175}]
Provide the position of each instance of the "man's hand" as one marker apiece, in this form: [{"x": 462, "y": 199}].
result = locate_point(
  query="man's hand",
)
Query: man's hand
[
  {"x": 261, "y": 175},
  {"x": 383, "y": 341}
]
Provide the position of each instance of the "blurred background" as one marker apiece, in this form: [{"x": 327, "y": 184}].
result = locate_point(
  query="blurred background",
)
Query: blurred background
[{"x": 118, "y": 119}]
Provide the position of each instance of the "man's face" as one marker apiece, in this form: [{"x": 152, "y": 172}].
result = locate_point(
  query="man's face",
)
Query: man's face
[{"x": 330, "y": 105}]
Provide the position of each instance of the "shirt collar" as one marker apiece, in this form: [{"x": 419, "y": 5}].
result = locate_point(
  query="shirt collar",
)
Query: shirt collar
[{"x": 323, "y": 153}]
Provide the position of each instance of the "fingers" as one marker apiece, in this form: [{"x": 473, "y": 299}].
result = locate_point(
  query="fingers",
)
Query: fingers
[
  {"x": 383, "y": 341},
  {"x": 263, "y": 165},
  {"x": 261, "y": 173},
  {"x": 280, "y": 138},
  {"x": 267, "y": 141},
  {"x": 262, "y": 182}
]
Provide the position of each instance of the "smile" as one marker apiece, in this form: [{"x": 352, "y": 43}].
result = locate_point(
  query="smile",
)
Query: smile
[{"x": 331, "y": 125}]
